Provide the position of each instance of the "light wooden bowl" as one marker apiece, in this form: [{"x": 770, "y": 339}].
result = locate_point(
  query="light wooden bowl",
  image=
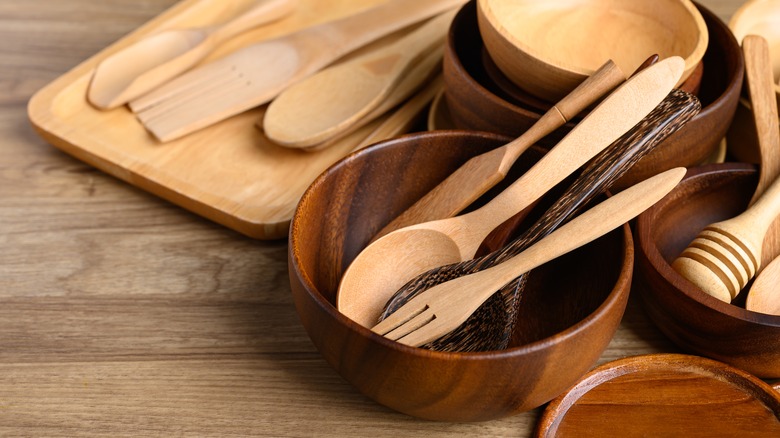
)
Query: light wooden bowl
[
  {"x": 474, "y": 101},
  {"x": 566, "y": 321},
  {"x": 549, "y": 47},
  {"x": 761, "y": 17},
  {"x": 694, "y": 320}
]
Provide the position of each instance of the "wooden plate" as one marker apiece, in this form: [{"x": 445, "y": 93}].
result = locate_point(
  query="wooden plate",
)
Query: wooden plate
[
  {"x": 229, "y": 172},
  {"x": 664, "y": 395}
]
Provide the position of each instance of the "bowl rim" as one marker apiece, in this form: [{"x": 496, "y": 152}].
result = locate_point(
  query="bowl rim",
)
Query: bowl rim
[
  {"x": 622, "y": 283},
  {"x": 691, "y": 59},
  {"x": 650, "y": 251},
  {"x": 455, "y": 62},
  {"x": 734, "y": 75},
  {"x": 736, "y": 21}
]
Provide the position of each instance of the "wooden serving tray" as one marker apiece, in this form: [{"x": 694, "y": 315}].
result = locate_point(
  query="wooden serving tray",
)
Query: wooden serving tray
[{"x": 229, "y": 172}]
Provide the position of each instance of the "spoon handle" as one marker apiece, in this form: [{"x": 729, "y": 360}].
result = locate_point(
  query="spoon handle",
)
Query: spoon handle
[
  {"x": 761, "y": 87},
  {"x": 613, "y": 117},
  {"x": 265, "y": 11}
]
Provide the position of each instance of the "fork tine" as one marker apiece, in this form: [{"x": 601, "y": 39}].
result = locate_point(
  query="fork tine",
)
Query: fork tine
[
  {"x": 409, "y": 311},
  {"x": 410, "y": 326}
]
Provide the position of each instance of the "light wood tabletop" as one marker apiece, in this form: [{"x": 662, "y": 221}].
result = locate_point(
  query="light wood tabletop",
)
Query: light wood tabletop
[{"x": 123, "y": 314}]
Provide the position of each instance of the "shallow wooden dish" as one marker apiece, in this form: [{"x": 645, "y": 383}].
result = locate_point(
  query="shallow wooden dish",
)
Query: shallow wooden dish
[
  {"x": 230, "y": 172},
  {"x": 548, "y": 48},
  {"x": 566, "y": 321},
  {"x": 664, "y": 395},
  {"x": 694, "y": 320},
  {"x": 474, "y": 103},
  {"x": 761, "y": 17}
]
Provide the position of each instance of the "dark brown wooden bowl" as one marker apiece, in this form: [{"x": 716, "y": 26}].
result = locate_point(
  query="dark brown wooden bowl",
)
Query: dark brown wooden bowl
[
  {"x": 570, "y": 309},
  {"x": 474, "y": 102},
  {"x": 694, "y": 320}
]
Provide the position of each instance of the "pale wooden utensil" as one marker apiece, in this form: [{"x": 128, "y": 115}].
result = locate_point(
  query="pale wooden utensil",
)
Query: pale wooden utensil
[
  {"x": 388, "y": 263},
  {"x": 150, "y": 62},
  {"x": 256, "y": 74},
  {"x": 482, "y": 172},
  {"x": 722, "y": 264},
  {"x": 405, "y": 116},
  {"x": 416, "y": 78},
  {"x": 726, "y": 255},
  {"x": 760, "y": 83},
  {"x": 444, "y": 307},
  {"x": 764, "y": 295},
  {"x": 322, "y": 106}
]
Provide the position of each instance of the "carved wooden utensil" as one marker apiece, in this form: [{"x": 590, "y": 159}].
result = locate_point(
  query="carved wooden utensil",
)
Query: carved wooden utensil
[
  {"x": 764, "y": 295},
  {"x": 256, "y": 74},
  {"x": 760, "y": 83},
  {"x": 443, "y": 308},
  {"x": 727, "y": 255},
  {"x": 388, "y": 263},
  {"x": 482, "y": 172},
  {"x": 324, "y": 105},
  {"x": 152, "y": 61},
  {"x": 491, "y": 326}
]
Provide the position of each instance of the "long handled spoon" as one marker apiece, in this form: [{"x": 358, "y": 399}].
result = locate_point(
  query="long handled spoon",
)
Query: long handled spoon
[
  {"x": 443, "y": 308},
  {"x": 388, "y": 263},
  {"x": 491, "y": 326},
  {"x": 482, "y": 172},
  {"x": 256, "y": 74},
  {"x": 154, "y": 60},
  {"x": 329, "y": 102},
  {"x": 416, "y": 78},
  {"x": 764, "y": 295}
]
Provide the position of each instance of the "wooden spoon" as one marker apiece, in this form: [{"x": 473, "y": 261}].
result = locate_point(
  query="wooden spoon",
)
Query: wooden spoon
[
  {"x": 482, "y": 172},
  {"x": 764, "y": 295},
  {"x": 324, "y": 105},
  {"x": 388, "y": 263},
  {"x": 412, "y": 82},
  {"x": 760, "y": 83},
  {"x": 152, "y": 61},
  {"x": 444, "y": 307}
]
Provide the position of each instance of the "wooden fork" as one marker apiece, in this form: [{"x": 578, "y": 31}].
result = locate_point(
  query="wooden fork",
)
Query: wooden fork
[{"x": 443, "y": 308}]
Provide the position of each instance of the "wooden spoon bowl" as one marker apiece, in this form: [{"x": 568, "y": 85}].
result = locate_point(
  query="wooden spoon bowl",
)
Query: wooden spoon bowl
[
  {"x": 547, "y": 48},
  {"x": 566, "y": 321},
  {"x": 694, "y": 320},
  {"x": 474, "y": 101}
]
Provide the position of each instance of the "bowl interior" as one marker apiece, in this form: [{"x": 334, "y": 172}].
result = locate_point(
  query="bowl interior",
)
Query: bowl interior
[
  {"x": 342, "y": 210},
  {"x": 580, "y": 35},
  {"x": 708, "y": 194}
]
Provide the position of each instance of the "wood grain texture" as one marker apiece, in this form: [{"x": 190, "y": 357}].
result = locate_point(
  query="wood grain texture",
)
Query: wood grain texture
[{"x": 124, "y": 315}]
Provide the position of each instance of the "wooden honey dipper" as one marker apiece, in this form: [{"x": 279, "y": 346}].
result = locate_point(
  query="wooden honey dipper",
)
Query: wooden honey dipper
[{"x": 726, "y": 255}]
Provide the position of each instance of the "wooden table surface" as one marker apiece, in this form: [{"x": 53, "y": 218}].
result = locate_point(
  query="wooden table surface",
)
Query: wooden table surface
[{"x": 122, "y": 314}]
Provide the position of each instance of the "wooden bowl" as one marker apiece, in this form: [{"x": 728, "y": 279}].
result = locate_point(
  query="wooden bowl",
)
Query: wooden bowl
[
  {"x": 566, "y": 321},
  {"x": 694, "y": 320},
  {"x": 473, "y": 99},
  {"x": 474, "y": 103},
  {"x": 548, "y": 48},
  {"x": 511, "y": 92},
  {"x": 761, "y": 17}
]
